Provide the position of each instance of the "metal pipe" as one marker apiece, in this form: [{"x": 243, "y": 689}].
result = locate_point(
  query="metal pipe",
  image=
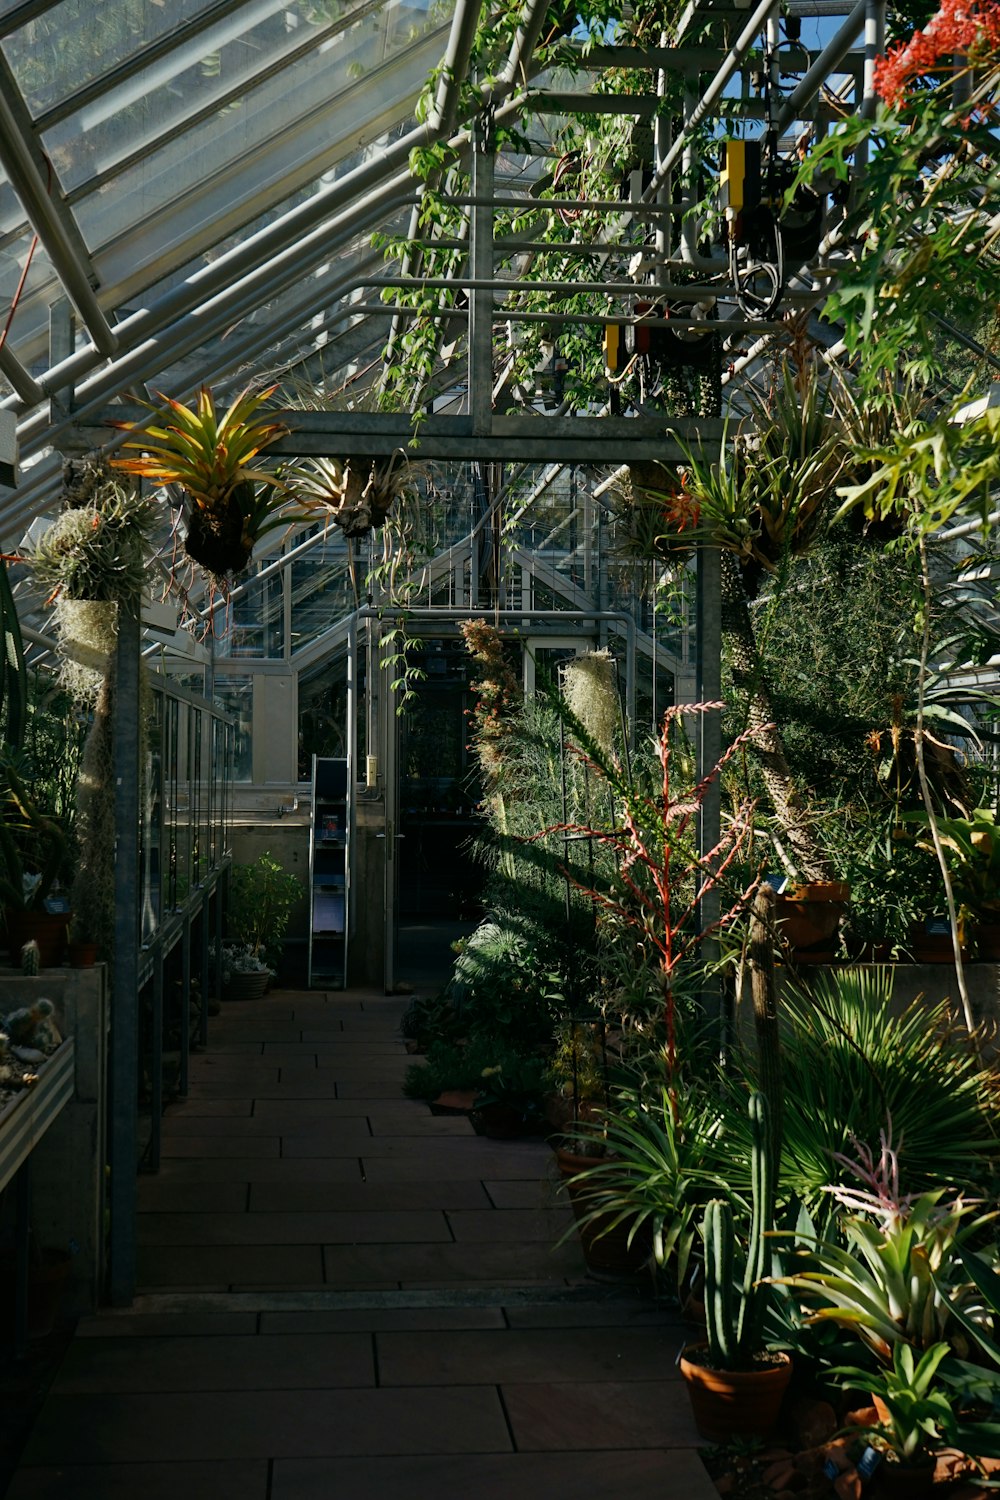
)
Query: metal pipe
[
  {"x": 123, "y": 1082},
  {"x": 733, "y": 59},
  {"x": 832, "y": 54},
  {"x": 362, "y": 193},
  {"x": 26, "y": 387},
  {"x": 874, "y": 48}
]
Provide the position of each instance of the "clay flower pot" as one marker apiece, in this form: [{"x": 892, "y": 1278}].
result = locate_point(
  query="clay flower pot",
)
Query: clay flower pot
[
  {"x": 808, "y": 917},
  {"x": 608, "y": 1253},
  {"x": 734, "y": 1403}
]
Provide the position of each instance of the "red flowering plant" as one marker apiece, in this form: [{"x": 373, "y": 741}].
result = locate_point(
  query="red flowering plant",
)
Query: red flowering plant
[
  {"x": 917, "y": 245},
  {"x": 661, "y": 880}
]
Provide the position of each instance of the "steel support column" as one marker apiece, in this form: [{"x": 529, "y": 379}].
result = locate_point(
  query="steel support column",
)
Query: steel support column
[
  {"x": 708, "y": 666},
  {"x": 480, "y": 371},
  {"x": 123, "y": 1072}
]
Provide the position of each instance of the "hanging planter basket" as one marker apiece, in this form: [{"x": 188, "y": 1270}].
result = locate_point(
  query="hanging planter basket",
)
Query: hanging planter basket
[{"x": 216, "y": 538}]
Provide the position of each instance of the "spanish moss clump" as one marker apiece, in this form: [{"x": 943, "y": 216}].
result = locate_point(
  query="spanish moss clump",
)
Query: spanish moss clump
[
  {"x": 592, "y": 696},
  {"x": 87, "y": 630},
  {"x": 99, "y": 549}
]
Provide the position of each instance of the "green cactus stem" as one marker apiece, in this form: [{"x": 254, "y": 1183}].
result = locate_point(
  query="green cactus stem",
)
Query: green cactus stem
[{"x": 31, "y": 957}]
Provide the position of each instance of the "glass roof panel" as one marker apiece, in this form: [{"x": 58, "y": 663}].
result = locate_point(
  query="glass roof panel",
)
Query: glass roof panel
[
  {"x": 204, "y": 73},
  {"x": 69, "y": 46}
]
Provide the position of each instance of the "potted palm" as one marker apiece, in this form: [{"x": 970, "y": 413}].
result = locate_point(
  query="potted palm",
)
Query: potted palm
[{"x": 229, "y": 502}]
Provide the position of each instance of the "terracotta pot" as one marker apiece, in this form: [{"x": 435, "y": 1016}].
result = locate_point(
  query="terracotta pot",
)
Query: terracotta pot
[
  {"x": 607, "y": 1251},
  {"x": 498, "y": 1121},
  {"x": 932, "y": 947},
  {"x": 46, "y": 928},
  {"x": 905, "y": 1481},
  {"x": 733, "y": 1403},
  {"x": 82, "y": 955},
  {"x": 808, "y": 916},
  {"x": 987, "y": 940},
  {"x": 245, "y": 987}
]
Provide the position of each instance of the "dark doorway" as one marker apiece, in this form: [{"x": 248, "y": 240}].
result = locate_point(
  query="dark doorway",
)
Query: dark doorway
[{"x": 440, "y": 877}]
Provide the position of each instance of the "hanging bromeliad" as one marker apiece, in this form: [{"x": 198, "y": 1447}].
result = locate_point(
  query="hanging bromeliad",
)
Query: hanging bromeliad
[
  {"x": 356, "y": 494},
  {"x": 229, "y": 504}
]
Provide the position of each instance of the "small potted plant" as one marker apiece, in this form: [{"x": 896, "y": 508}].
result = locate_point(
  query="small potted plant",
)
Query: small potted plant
[
  {"x": 245, "y": 975},
  {"x": 735, "y": 1382},
  {"x": 920, "y": 1411},
  {"x": 510, "y": 1099},
  {"x": 262, "y": 897}
]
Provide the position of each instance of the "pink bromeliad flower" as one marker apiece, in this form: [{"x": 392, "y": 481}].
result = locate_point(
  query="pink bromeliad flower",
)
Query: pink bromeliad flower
[{"x": 967, "y": 28}]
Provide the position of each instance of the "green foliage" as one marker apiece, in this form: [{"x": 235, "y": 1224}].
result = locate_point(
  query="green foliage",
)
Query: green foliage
[
  {"x": 453, "y": 1065},
  {"x": 896, "y": 1278},
  {"x": 973, "y": 845},
  {"x": 735, "y": 1322},
  {"x": 428, "y": 1019},
  {"x": 850, "y": 1060},
  {"x": 661, "y": 1161},
  {"x": 923, "y": 1416},
  {"x": 506, "y": 977},
  {"x": 262, "y": 896},
  {"x": 33, "y": 844},
  {"x": 916, "y": 256}
]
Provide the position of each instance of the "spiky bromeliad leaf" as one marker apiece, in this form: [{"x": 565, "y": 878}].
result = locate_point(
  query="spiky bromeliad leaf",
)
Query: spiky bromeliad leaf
[{"x": 231, "y": 503}]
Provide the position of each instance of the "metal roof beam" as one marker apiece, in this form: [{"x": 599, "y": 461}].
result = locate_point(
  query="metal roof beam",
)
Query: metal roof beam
[
  {"x": 33, "y": 181},
  {"x": 24, "y": 384}
]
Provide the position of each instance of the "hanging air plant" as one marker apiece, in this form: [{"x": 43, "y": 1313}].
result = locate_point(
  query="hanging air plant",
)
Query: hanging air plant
[
  {"x": 93, "y": 557},
  {"x": 356, "y": 494},
  {"x": 229, "y": 504}
]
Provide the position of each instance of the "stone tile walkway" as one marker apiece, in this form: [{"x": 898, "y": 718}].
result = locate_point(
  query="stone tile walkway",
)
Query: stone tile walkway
[{"x": 342, "y": 1295}]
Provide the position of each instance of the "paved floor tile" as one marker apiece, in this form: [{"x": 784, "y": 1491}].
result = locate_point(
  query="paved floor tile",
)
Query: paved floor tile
[
  {"x": 236, "y": 1480},
  {"x": 158, "y": 1195},
  {"x": 175, "y": 1126},
  {"x": 377, "y": 1320},
  {"x": 370, "y": 1197},
  {"x": 339, "y": 1046},
  {"x": 171, "y": 1426},
  {"x": 262, "y": 1169},
  {"x": 167, "y": 1325},
  {"x": 339, "y": 1227},
  {"x": 479, "y": 1226},
  {"x": 496, "y": 1265},
  {"x": 308, "y": 1110},
  {"x": 621, "y": 1311},
  {"x": 187, "y": 1108},
  {"x": 219, "y": 1145},
  {"x": 539, "y": 1192},
  {"x": 360, "y": 1087},
  {"x": 432, "y": 1166},
  {"x": 641, "y": 1414},
  {"x": 528, "y": 1476},
  {"x": 542, "y": 1355},
  {"x": 384, "y": 1122},
  {"x": 274, "y": 1362},
  {"x": 229, "y": 1265}
]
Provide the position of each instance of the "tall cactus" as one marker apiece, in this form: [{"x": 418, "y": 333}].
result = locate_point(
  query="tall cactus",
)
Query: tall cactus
[
  {"x": 31, "y": 958},
  {"x": 736, "y": 1327}
]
